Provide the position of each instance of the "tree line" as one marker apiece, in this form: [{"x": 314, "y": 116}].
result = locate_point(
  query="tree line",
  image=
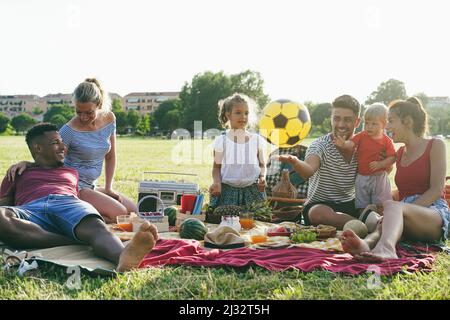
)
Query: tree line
[{"x": 198, "y": 100}]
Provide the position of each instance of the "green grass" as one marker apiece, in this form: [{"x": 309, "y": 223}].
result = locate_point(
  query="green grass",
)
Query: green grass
[{"x": 136, "y": 155}]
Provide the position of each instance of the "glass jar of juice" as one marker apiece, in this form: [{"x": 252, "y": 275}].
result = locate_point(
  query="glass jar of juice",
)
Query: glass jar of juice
[
  {"x": 246, "y": 220},
  {"x": 124, "y": 223}
]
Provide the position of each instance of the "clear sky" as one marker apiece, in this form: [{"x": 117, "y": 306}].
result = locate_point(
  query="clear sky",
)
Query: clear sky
[{"x": 304, "y": 50}]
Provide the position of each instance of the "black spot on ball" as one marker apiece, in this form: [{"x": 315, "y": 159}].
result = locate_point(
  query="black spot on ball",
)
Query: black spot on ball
[
  {"x": 280, "y": 121},
  {"x": 293, "y": 140}
]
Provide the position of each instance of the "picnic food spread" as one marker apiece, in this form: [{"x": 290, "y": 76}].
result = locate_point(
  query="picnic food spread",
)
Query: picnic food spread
[{"x": 258, "y": 232}]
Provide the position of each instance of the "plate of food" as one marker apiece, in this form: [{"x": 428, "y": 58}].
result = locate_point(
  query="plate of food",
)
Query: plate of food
[
  {"x": 279, "y": 231},
  {"x": 273, "y": 242}
]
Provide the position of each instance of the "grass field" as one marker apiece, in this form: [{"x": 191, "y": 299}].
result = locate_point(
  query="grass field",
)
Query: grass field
[{"x": 136, "y": 155}]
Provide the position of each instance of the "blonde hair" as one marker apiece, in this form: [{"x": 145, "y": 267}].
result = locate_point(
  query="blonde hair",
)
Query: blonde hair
[
  {"x": 378, "y": 111},
  {"x": 90, "y": 90},
  {"x": 413, "y": 108},
  {"x": 226, "y": 106}
]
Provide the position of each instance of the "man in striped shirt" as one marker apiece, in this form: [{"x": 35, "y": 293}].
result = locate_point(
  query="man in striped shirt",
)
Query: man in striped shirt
[{"x": 331, "y": 170}]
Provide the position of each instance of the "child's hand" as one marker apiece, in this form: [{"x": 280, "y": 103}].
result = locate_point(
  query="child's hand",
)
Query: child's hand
[
  {"x": 261, "y": 184},
  {"x": 339, "y": 141},
  {"x": 215, "y": 189},
  {"x": 375, "y": 165},
  {"x": 286, "y": 158}
]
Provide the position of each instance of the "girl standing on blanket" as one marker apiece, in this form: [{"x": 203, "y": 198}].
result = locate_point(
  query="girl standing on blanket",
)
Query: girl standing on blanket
[
  {"x": 422, "y": 214},
  {"x": 90, "y": 137},
  {"x": 239, "y": 166}
]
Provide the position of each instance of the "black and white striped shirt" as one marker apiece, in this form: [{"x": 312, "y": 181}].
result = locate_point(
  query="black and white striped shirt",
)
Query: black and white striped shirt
[{"x": 335, "y": 178}]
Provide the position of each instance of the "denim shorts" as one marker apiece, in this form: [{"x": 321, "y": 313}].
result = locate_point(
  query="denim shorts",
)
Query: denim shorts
[
  {"x": 57, "y": 213},
  {"x": 441, "y": 207},
  {"x": 85, "y": 185}
]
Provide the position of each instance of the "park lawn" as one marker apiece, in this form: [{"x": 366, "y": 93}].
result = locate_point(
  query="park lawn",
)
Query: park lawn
[{"x": 136, "y": 155}]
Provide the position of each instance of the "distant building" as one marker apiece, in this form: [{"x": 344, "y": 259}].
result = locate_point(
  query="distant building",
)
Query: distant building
[
  {"x": 16, "y": 104},
  {"x": 59, "y": 98},
  {"x": 146, "y": 102},
  {"x": 436, "y": 102},
  {"x": 143, "y": 102}
]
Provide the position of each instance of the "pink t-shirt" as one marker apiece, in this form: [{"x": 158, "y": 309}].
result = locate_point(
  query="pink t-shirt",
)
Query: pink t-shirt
[{"x": 35, "y": 183}]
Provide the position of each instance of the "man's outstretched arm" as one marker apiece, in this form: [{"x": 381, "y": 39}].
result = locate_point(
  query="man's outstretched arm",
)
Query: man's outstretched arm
[{"x": 305, "y": 168}]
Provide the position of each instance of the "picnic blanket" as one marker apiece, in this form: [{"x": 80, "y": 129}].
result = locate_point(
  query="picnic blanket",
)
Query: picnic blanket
[
  {"x": 276, "y": 255},
  {"x": 180, "y": 252},
  {"x": 191, "y": 253}
]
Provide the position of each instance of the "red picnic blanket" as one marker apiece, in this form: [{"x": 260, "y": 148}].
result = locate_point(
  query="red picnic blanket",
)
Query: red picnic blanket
[{"x": 180, "y": 252}]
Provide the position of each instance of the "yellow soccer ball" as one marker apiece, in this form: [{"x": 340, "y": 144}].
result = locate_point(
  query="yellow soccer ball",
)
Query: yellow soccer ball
[{"x": 285, "y": 123}]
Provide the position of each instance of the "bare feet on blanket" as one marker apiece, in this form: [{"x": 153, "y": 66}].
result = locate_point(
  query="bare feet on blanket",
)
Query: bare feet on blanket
[
  {"x": 353, "y": 244},
  {"x": 143, "y": 241},
  {"x": 376, "y": 255}
]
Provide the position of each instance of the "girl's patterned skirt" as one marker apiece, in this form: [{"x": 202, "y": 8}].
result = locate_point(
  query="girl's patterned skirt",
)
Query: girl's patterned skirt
[{"x": 237, "y": 196}]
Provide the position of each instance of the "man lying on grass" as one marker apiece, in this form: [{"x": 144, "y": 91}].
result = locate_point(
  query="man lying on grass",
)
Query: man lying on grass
[{"x": 47, "y": 211}]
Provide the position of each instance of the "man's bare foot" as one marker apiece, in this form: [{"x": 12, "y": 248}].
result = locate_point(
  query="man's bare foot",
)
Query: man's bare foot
[
  {"x": 143, "y": 241},
  {"x": 376, "y": 255},
  {"x": 372, "y": 257},
  {"x": 353, "y": 244}
]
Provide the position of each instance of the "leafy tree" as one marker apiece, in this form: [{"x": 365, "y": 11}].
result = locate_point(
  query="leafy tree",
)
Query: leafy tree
[
  {"x": 116, "y": 106},
  {"x": 64, "y": 110},
  {"x": 320, "y": 112},
  {"x": 121, "y": 121},
  {"x": 58, "y": 120},
  {"x": 171, "y": 120},
  {"x": 320, "y": 115},
  {"x": 153, "y": 123},
  {"x": 310, "y": 105},
  {"x": 439, "y": 120},
  {"x": 4, "y": 121},
  {"x": 199, "y": 99},
  {"x": 37, "y": 110},
  {"x": 133, "y": 119},
  {"x": 388, "y": 91},
  {"x": 22, "y": 122},
  {"x": 162, "y": 110},
  {"x": 438, "y": 117},
  {"x": 250, "y": 83},
  {"x": 144, "y": 125}
]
